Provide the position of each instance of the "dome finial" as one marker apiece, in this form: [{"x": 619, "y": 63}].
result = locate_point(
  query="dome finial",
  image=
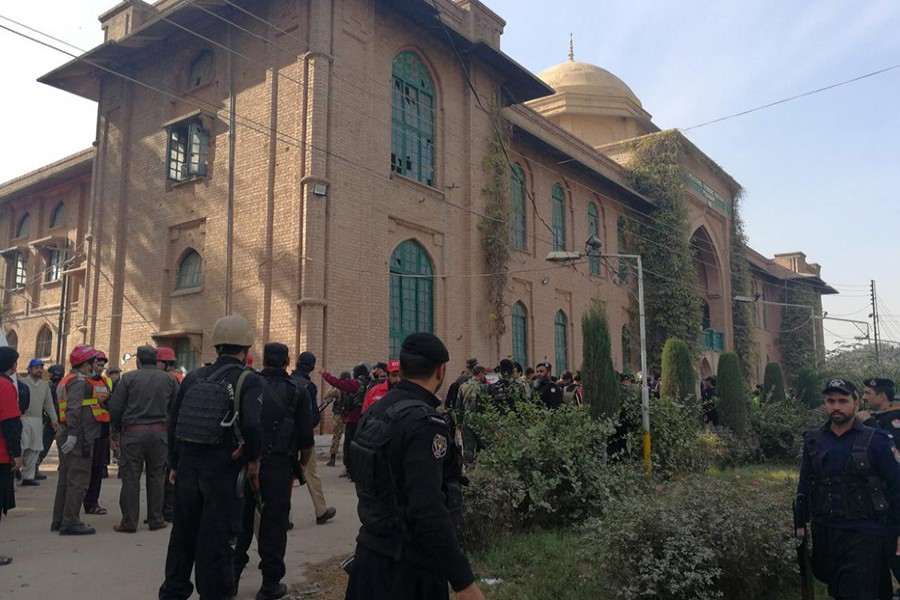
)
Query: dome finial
[{"x": 571, "y": 49}]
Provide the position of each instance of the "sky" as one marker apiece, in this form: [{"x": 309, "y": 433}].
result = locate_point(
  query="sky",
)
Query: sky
[{"x": 820, "y": 173}]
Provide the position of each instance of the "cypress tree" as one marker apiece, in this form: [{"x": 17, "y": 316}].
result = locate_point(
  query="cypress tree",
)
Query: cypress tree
[
  {"x": 678, "y": 380},
  {"x": 807, "y": 388},
  {"x": 773, "y": 384},
  {"x": 601, "y": 385},
  {"x": 731, "y": 393}
]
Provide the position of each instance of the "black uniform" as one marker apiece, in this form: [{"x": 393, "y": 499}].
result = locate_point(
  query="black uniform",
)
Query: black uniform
[
  {"x": 407, "y": 476},
  {"x": 206, "y": 505},
  {"x": 850, "y": 488},
  {"x": 550, "y": 392},
  {"x": 287, "y": 429}
]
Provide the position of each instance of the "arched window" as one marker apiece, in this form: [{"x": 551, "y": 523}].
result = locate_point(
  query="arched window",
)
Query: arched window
[
  {"x": 201, "y": 70},
  {"x": 621, "y": 242},
  {"x": 22, "y": 229},
  {"x": 517, "y": 208},
  {"x": 520, "y": 333},
  {"x": 190, "y": 271},
  {"x": 626, "y": 349},
  {"x": 20, "y": 277},
  {"x": 562, "y": 341},
  {"x": 559, "y": 217},
  {"x": 706, "y": 319},
  {"x": 43, "y": 346},
  {"x": 58, "y": 219},
  {"x": 412, "y": 119},
  {"x": 12, "y": 339},
  {"x": 593, "y": 229},
  {"x": 412, "y": 293}
]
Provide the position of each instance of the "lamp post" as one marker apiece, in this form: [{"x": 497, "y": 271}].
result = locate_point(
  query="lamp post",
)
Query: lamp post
[
  {"x": 592, "y": 249},
  {"x": 812, "y": 319}
]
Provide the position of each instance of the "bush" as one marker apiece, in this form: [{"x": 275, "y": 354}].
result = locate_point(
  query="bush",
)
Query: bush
[
  {"x": 807, "y": 389},
  {"x": 731, "y": 393},
  {"x": 601, "y": 384},
  {"x": 773, "y": 384},
  {"x": 779, "y": 427},
  {"x": 678, "y": 379},
  {"x": 729, "y": 449},
  {"x": 697, "y": 539},
  {"x": 676, "y": 444}
]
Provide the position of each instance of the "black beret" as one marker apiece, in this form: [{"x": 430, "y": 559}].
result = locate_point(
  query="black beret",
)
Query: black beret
[
  {"x": 426, "y": 345},
  {"x": 878, "y": 382},
  {"x": 8, "y": 357}
]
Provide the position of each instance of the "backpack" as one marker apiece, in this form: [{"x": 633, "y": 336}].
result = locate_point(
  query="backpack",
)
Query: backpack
[{"x": 209, "y": 407}]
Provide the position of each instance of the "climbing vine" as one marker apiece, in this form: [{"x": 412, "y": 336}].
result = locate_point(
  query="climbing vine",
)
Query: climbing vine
[
  {"x": 494, "y": 225},
  {"x": 796, "y": 339},
  {"x": 742, "y": 312}
]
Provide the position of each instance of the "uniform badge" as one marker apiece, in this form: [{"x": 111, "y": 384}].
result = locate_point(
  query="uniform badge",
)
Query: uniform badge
[{"x": 439, "y": 446}]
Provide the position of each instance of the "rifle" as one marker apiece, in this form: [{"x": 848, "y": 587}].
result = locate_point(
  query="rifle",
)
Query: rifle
[
  {"x": 297, "y": 470},
  {"x": 807, "y": 583}
]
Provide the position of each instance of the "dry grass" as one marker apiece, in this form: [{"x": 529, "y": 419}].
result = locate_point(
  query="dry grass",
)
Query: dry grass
[{"x": 323, "y": 581}]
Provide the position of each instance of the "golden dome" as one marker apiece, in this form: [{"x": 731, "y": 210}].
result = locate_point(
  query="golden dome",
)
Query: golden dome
[{"x": 585, "y": 78}]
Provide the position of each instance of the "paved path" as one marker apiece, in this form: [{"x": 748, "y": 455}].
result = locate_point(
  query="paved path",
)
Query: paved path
[{"x": 116, "y": 565}]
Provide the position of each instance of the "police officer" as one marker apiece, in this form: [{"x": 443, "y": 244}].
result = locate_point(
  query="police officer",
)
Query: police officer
[
  {"x": 287, "y": 429},
  {"x": 849, "y": 487},
  {"x": 549, "y": 391},
  {"x": 209, "y": 447},
  {"x": 407, "y": 470}
]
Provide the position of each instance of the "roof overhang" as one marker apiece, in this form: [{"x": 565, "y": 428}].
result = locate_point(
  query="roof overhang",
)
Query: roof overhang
[
  {"x": 50, "y": 241},
  {"x": 10, "y": 252},
  {"x": 48, "y": 176}
]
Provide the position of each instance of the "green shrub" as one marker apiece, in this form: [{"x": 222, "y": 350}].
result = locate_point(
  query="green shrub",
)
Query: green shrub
[
  {"x": 730, "y": 449},
  {"x": 699, "y": 538},
  {"x": 773, "y": 384},
  {"x": 676, "y": 444},
  {"x": 490, "y": 507},
  {"x": 730, "y": 391},
  {"x": 678, "y": 379},
  {"x": 601, "y": 384},
  {"x": 807, "y": 388},
  {"x": 779, "y": 427}
]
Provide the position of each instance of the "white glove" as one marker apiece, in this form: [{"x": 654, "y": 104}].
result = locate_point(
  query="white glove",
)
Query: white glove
[{"x": 69, "y": 444}]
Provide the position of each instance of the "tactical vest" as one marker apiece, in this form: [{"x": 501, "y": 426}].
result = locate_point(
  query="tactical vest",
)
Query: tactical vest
[
  {"x": 64, "y": 399},
  {"x": 209, "y": 408},
  {"x": 279, "y": 434},
  {"x": 859, "y": 490}
]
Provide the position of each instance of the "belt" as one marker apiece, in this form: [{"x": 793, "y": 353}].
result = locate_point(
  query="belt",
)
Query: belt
[{"x": 154, "y": 427}]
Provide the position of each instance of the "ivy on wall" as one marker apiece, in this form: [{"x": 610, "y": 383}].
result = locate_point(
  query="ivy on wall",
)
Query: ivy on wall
[
  {"x": 742, "y": 312},
  {"x": 797, "y": 329}
]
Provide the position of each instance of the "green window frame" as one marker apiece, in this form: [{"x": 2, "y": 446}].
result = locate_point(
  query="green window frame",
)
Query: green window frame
[
  {"x": 558, "y": 201},
  {"x": 190, "y": 271},
  {"x": 185, "y": 356},
  {"x": 561, "y": 324},
  {"x": 520, "y": 333},
  {"x": 412, "y": 119},
  {"x": 187, "y": 152},
  {"x": 20, "y": 275},
  {"x": 621, "y": 242},
  {"x": 59, "y": 215},
  {"x": 412, "y": 293},
  {"x": 517, "y": 208},
  {"x": 43, "y": 345},
  {"x": 593, "y": 229},
  {"x": 54, "y": 265}
]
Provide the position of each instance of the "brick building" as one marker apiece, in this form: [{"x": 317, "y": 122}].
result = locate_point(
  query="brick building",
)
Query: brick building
[{"x": 319, "y": 167}]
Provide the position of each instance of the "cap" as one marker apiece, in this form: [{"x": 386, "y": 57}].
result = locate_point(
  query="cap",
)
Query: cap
[
  {"x": 393, "y": 365},
  {"x": 35, "y": 362},
  {"x": 426, "y": 345},
  {"x": 877, "y": 382},
  {"x": 8, "y": 357},
  {"x": 839, "y": 385}
]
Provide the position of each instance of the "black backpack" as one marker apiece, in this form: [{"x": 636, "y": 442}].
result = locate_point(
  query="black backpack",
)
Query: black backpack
[{"x": 209, "y": 407}]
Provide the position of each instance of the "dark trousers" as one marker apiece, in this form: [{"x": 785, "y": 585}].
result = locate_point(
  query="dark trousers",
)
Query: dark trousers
[
  {"x": 49, "y": 436},
  {"x": 143, "y": 448},
  {"x": 204, "y": 526},
  {"x": 852, "y": 563},
  {"x": 275, "y": 480},
  {"x": 349, "y": 432},
  {"x": 377, "y": 577},
  {"x": 100, "y": 461}
]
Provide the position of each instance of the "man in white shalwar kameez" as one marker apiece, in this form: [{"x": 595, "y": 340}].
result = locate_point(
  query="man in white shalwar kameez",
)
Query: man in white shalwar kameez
[{"x": 33, "y": 423}]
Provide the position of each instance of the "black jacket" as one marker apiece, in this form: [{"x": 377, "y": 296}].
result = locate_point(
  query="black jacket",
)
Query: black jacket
[{"x": 294, "y": 397}]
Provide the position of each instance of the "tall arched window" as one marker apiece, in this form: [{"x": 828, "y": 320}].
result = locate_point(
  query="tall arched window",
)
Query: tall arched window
[
  {"x": 190, "y": 271},
  {"x": 706, "y": 318},
  {"x": 562, "y": 341},
  {"x": 20, "y": 277},
  {"x": 520, "y": 333},
  {"x": 201, "y": 70},
  {"x": 412, "y": 293},
  {"x": 593, "y": 229},
  {"x": 559, "y": 217},
  {"x": 626, "y": 349},
  {"x": 22, "y": 229},
  {"x": 517, "y": 208},
  {"x": 12, "y": 339},
  {"x": 621, "y": 242},
  {"x": 43, "y": 345},
  {"x": 58, "y": 219},
  {"x": 412, "y": 119}
]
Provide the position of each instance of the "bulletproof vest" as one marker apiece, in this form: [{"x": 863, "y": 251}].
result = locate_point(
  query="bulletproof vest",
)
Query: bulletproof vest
[
  {"x": 206, "y": 408},
  {"x": 858, "y": 490},
  {"x": 278, "y": 423}
]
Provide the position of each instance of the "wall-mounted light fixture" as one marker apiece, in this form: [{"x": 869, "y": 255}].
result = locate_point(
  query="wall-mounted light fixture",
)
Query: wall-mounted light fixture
[{"x": 320, "y": 189}]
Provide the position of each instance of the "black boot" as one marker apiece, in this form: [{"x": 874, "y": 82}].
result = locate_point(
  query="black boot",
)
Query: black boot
[
  {"x": 330, "y": 462},
  {"x": 271, "y": 591}
]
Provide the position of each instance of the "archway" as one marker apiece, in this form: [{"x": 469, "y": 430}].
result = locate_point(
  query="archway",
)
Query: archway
[{"x": 709, "y": 277}]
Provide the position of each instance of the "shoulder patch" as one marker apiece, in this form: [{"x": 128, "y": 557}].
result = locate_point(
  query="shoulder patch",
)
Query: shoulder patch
[
  {"x": 437, "y": 420},
  {"x": 439, "y": 446}
]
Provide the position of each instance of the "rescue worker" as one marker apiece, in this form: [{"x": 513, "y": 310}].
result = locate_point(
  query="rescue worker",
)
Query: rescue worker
[
  {"x": 408, "y": 472},
  {"x": 78, "y": 432},
  {"x": 101, "y": 390},
  {"x": 10, "y": 434},
  {"x": 378, "y": 391},
  {"x": 214, "y": 436},
  {"x": 287, "y": 430},
  {"x": 33, "y": 423},
  {"x": 849, "y": 487},
  {"x": 139, "y": 410},
  {"x": 549, "y": 391},
  {"x": 306, "y": 362},
  {"x": 56, "y": 373},
  {"x": 356, "y": 388},
  {"x": 165, "y": 361}
]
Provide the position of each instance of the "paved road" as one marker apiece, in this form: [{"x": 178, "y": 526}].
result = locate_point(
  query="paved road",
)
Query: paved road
[{"x": 116, "y": 565}]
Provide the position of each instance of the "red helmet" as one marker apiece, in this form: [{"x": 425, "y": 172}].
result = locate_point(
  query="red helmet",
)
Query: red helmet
[
  {"x": 81, "y": 354},
  {"x": 101, "y": 355},
  {"x": 165, "y": 354}
]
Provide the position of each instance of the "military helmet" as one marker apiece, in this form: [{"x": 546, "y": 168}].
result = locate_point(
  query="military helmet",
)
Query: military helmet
[{"x": 234, "y": 330}]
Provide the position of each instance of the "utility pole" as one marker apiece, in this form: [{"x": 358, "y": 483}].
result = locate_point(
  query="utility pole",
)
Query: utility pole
[{"x": 874, "y": 316}]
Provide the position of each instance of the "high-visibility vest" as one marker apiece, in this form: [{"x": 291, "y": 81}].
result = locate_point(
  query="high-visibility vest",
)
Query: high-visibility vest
[
  {"x": 101, "y": 392},
  {"x": 64, "y": 401},
  {"x": 178, "y": 376}
]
